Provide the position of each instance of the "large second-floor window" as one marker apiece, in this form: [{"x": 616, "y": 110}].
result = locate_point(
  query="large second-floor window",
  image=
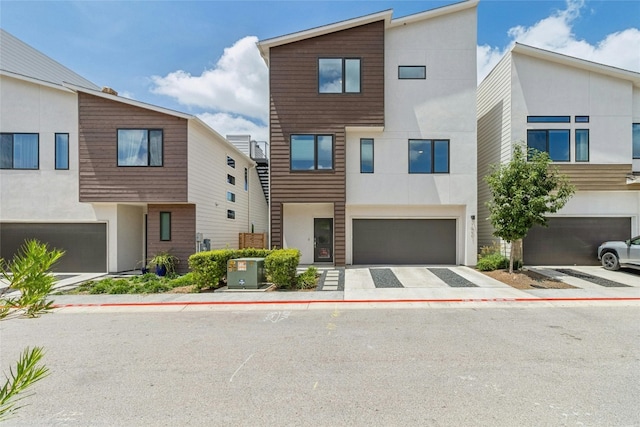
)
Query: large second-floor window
[
  {"x": 636, "y": 140},
  {"x": 311, "y": 152},
  {"x": 339, "y": 75},
  {"x": 428, "y": 156},
  {"x": 555, "y": 142},
  {"x": 140, "y": 147},
  {"x": 19, "y": 151}
]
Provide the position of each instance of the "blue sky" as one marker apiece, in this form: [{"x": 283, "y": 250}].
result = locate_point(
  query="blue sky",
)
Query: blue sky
[{"x": 200, "y": 57}]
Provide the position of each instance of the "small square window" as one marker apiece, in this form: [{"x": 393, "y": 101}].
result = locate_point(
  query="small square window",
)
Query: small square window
[
  {"x": 165, "y": 226},
  {"x": 231, "y": 179},
  {"x": 140, "y": 147},
  {"x": 428, "y": 156},
  {"x": 231, "y": 162},
  {"x": 231, "y": 214},
  {"x": 231, "y": 197},
  {"x": 339, "y": 75}
]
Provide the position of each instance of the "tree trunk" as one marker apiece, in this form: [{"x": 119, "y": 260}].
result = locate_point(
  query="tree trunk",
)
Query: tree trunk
[{"x": 511, "y": 256}]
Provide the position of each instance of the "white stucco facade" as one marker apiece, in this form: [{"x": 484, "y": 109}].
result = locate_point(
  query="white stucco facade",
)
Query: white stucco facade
[{"x": 441, "y": 106}]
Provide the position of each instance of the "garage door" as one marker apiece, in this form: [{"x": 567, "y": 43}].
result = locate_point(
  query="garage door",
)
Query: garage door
[
  {"x": 404, "y": 241},
  {"x": 572, "y": 241},
  {"x": 85, "y": 245}
]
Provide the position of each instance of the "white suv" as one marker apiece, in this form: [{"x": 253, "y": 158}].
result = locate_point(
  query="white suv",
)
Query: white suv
[{"x": 620, "y": 254}]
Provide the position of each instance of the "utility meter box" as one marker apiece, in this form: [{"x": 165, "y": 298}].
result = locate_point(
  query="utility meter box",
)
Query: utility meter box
[{"x": 245, "y": 273}]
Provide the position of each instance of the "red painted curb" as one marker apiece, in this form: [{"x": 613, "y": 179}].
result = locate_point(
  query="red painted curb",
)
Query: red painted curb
[{"x": 292, "y": 302}]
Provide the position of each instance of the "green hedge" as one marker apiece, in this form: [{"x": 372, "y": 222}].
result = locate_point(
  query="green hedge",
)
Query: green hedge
[
  {"x": 210, "y": 268},
  {"x": 496, "y": 261},
  {"x": 281, "y": 267}
]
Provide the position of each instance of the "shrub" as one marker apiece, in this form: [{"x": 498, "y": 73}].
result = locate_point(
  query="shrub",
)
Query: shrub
[
  {"x": 210, "y": 268},
  {"x": 307, "y": 279},
  {"x": 496, "y": 261},
  {"x": 281, "y": 266}
]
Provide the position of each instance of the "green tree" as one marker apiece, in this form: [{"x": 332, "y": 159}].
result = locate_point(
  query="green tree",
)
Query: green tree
[{"x": 524, "y": 191}]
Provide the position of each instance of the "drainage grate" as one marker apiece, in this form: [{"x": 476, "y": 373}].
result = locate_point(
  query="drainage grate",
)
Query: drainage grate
[
  {"x": 593, "y": 279},
  {"x": 452, "y": 279},
  {"x": 384, "y": 278}
]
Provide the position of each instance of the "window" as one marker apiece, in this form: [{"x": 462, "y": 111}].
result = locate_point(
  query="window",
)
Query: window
[
  {"x": 582, "y": 145},
  {"x": 231, "y": 179},
  {"x": 231, "y": 196},
  {"x": 230, "y": 162},
  {"x": 231, "y": 214},
  {"x": 636, "y": 140},
  {"x": 428, "y": 156},
  {"x": 548, "y": 119},
  {"x": 62, "y": 151},
  {"x": 554, "y": 142},
  {"x": 246, "y": 179},
  {"x": 139, "y": 147},
  {"x": 338, "y": 75},
  {"x": 582, "y": 119},
  {"x": 165, "y": 226},
  {"x": 19, "y": 151},
  {"x": 366, "y": 155},
  {"x": 311, "y": 152},
  {"x": 412, "y": 72}
]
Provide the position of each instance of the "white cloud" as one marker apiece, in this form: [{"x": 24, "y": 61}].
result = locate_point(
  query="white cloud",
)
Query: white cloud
[
  {"x": 555, "y": 33},
  {"x": 238, "y": 84},
  {"x": 228, "y": 124}
]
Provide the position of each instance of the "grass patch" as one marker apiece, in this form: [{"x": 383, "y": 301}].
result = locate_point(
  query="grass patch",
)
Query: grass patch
[{"x": 144, "y": 284}]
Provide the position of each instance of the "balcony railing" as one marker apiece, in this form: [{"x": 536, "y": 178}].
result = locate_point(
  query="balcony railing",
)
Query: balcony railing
[{"x": 259, "y": 150}]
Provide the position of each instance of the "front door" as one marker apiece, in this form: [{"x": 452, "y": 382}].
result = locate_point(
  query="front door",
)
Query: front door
[{"x": 323, "y": 240}]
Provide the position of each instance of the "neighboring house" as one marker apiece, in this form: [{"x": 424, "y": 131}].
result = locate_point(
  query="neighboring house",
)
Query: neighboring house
[
  {"x": 111, "y": 180},
  {"x": 587, "y": 117},
  {"x": 373, "y": 139}
]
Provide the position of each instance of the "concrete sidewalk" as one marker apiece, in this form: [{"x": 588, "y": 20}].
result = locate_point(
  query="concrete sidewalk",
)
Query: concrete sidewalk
[{"x": 420, "y": 287}]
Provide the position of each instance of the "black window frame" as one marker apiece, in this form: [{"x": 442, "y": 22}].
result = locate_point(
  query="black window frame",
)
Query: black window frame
[
  {"x": 231, "y": 214},
  {"x": 344, "y": 60},
  {"x": 433, "y": 157},
  {"x": 55, "y": 157},
  {"x": 548, "y": 119},
  {"x": 231, "y": 180},
  {"x": 634, "y": 155},
  {"x": 231, "y": 197},
  {"x": 246, "y": 179},
  {"x": 423, "y": 67},
  {"x": 581, "y": 119},
  {"x": 568, "y": 131},
  {"x": 168, "y": 214},
  {"x": 148, "y": 165},
  {"x": 575, "y": 145},
  {"x": 231, "y": 162},
  {"x": 373, "y": 157},
  {"x": 315, "y": 153},
  {"x": 13, "y": 134}
]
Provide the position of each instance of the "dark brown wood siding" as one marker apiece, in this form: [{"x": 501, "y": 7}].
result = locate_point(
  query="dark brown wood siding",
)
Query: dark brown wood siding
[
  {"x": 101, "y": 180},
  {"x": 183, "y": 233},
  {"x": 594, "y": 177},
  {"x": 298, "y": 108}
]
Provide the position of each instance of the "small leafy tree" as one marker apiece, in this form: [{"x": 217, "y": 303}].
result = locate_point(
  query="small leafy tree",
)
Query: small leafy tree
[{"x": 524, "y": 191}]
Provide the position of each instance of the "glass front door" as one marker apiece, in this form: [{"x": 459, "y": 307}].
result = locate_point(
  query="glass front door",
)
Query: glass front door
[{"x": 323, "y": 240}]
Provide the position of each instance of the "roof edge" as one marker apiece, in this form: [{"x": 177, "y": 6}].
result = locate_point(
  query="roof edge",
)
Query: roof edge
[
  {"x": 34, "y": 80},
  {"x": 573, "y": 61},
  {"x": 433, "y": 13}
]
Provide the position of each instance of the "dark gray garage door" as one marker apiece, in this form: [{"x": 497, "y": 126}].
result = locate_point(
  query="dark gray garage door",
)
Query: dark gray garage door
[
  {"x": 572, "y": 241},
  {"x": 85, "y": 245},
  {"x": 404, "y": 241}
]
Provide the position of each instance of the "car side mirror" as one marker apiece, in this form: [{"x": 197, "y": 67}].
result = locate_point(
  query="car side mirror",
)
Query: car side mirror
[{"x": 628, "y": 242}]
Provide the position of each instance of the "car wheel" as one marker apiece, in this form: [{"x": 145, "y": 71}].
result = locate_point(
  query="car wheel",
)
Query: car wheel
[{"x": 610, "y": 261}]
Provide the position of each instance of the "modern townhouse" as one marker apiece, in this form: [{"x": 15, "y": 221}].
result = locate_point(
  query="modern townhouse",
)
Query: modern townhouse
[
  {"x": 111, "y": 180},
  {"x": 587, "y": 117},
  {"x": 373, "y": 139}
]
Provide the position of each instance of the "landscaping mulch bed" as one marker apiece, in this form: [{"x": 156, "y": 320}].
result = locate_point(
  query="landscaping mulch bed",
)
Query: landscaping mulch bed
[{"x": 527, "y": 279}]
